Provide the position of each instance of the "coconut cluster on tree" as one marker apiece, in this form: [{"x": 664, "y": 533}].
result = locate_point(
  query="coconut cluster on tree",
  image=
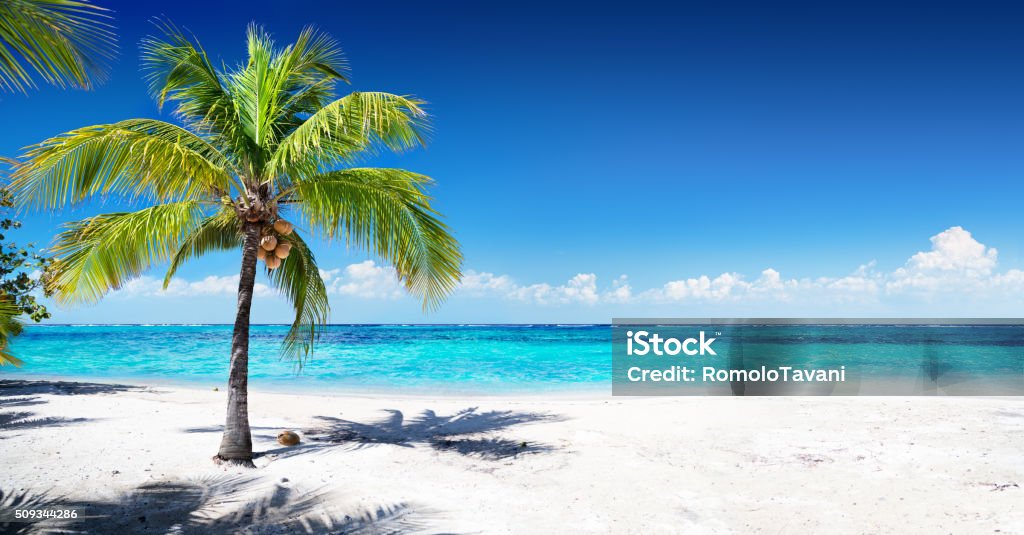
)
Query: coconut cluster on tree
[{"x": 273, "y": 250}]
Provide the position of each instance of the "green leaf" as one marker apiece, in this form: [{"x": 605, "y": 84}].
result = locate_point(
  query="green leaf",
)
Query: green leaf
[
  {"x": 298, "y": 279},
  {"x": 388, "y": 213},
  {"x": 102, "y": 253},
  {"x": 138, "y": 158},
  {"x": 179, "y": 72},
  {"x": 64, "y": 42},
  {"x": 10, "y": 326},
  {"x": 219, "y": 232},
  {"x": 343, "y": 130}
]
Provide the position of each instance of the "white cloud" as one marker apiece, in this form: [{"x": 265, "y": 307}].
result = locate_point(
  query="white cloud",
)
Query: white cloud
[
  {"x": 700, "y": 288},
  {"x": 955, "y": 250},
  {"x": 582, "y": 288},
  {"x": 621, "y": 291},
  {"x": 483, "y": 283},
  {"x": 957, "y": 262},
  {"x": 957, "y": 267},
  {"x": 211, "y": 285},
  {"x": 329, "y": 274},
  {"x": 1012, "y": 282},
  {"x": 366, "y": 280}
]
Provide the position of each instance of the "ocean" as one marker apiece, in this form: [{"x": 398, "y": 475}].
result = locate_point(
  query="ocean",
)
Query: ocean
[
  {"x": 477, "y": 359},
  {"x": 470, "y": 359}
]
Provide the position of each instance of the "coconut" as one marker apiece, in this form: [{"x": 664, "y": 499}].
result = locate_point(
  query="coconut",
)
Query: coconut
[
  {"x": 272, "y": 261},
  {"x": 283, "y": 249},
  {"x": 252, "y": 218},
  {"x": 283, "y": 227},
  {"x": 288, "y": 438},
  {"x": 261, "y": 253},
  {"x": 268, "y": 243}
]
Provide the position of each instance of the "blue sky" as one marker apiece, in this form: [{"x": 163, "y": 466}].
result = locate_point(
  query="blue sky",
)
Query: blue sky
[{"x": 827, "y": 142}]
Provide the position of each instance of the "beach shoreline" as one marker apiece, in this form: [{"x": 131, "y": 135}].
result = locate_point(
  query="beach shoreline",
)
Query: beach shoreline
[
  {"x": 514, "y": 464},
  {"x": 546, "y": 392}
]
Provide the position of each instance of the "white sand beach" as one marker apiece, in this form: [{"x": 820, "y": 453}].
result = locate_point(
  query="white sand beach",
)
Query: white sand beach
[{"x": 138, "y": 460}]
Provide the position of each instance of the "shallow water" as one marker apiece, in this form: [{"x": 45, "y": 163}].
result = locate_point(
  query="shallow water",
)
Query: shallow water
[
  {"x": 474, "y": 359},
  {"x": 414, "y": 358}
]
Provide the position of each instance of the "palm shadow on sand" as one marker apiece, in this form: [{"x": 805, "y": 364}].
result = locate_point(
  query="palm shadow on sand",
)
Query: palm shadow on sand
[
  {"x": 258, "y": 432},
  {"x": 214, "y": 506},
  {"x": 468, "y": 432},
  {"x": 22, "y": 393},
  {"x": 19, "y": 387}
]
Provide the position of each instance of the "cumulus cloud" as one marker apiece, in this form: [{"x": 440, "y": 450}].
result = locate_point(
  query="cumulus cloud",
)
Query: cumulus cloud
[
  {"x": 700, "y": 288},
  {"x": 483, "y": 283},
  {"x": 955, "y": 250},
  {"x": 582, "y": 288},
  {"x": 366, "y": 280},
  {"x": 329, "y": 274},
  {"x": 956, "y": 262},
  {"x": 621, "y": 291},
  {"x": 211, "y": 285},
  {"x": 956, "y": 265}
]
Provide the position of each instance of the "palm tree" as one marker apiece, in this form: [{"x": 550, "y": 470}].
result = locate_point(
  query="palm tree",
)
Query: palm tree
[
  {"x": 260, "y": 141},
  {"x": 65, "y": 42}
]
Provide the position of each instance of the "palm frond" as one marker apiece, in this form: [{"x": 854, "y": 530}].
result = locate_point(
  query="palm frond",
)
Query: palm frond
[
  {"x": 313, "y": 56},
  {"x": 102, "y": 253},
  {"x": 298, "y": 278},
  {"x": 219, "y": 232},
  {"x": 10, "y": 326},
  {"x": 180, "y": 72},
  {"x": 388, "y": 213},
  {"x": 311, "y": 68},
  {"x": 64, "y": 42},
  {"x": 340, "y": 131},
  {"x": 277, "y": 88},
  {"x": 137, "y": 158},
  {"x": 257, "y": 93}
]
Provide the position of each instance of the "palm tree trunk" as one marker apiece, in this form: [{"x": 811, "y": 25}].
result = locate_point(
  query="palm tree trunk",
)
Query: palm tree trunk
[{"x": 236, "y": 444}]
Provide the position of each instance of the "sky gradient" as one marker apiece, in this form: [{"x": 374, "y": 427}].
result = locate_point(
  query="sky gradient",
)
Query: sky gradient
[{"x": 807, "y": 152}]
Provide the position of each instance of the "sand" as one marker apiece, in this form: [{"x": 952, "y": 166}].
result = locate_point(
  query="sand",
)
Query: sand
[{"x": 138, "y": 460}]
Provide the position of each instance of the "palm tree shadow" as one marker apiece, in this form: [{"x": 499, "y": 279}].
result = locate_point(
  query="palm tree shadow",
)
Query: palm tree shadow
[
  {"x": 16, "y": 421},
  {"x": 261, "y": 432},
  {"x": 197, "y": 507},
  {"x": 467, "y": 432},
  {"x": 19, "y": 387},
  {"x": 23, "y": 393},
  {"x": 290, "y": 511},
  {"x": 18, "y": 401}
]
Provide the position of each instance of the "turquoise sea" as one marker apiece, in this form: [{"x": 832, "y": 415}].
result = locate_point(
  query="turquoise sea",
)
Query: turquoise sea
[
  {"x": 349, "y": 358},
  {"x": 477, "y": 359}
]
